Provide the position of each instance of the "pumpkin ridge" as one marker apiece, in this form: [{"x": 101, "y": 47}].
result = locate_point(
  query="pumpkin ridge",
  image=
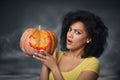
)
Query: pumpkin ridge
[
  {"x": 53, "y": 41},
  {"x": 23, "y": 40},
  {"x": 50, "y": 36},
  {"x": 55, "y": 38}
]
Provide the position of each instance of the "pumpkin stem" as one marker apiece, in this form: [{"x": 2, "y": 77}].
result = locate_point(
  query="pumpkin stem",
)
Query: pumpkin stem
[{"x": 39, "y": 27}]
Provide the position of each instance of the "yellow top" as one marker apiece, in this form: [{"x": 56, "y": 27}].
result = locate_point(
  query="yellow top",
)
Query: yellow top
[{"x": 88, "y": 64}]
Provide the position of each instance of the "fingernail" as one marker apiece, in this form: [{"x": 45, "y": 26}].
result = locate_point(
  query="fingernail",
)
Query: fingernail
[
  {"x": 35, "y": 53},
  {"x": 33, "y": 56},
  {"x": 41, "y": 50}
]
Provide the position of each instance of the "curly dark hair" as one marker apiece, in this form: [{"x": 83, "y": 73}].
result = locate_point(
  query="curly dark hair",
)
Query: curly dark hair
[{"x": 95, "y": 28}]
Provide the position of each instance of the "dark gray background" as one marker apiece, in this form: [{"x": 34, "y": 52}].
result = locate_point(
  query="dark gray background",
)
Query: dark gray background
[{"x": 18, "y": 15}]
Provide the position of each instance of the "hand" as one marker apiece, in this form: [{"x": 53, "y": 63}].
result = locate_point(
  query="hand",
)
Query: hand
[{"x": 46, "y": 59}]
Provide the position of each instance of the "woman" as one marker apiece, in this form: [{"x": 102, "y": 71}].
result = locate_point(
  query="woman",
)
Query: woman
[{"x": 83, "y": 37}]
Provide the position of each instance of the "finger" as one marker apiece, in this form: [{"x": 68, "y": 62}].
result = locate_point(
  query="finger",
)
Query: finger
[
  {"x": 41, "y": 52},
  {"x": 39, "y": 55},
  {"x": 38, "y": 58},
  {"x": 54, "y": 54},
  {"x": 45, "y": 53}
]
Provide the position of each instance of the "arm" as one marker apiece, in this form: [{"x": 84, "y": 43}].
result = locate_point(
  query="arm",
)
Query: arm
[
  {"x": 56, "y": 73},
  {"x": 88, "y": 75},
  {"x": 44, "y": 73}
]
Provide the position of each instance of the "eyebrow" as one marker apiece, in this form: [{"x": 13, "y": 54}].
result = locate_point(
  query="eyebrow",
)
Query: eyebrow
[{"x": 76, "y": 29}]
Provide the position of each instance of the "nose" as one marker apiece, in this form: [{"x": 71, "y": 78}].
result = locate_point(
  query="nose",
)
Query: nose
[{"x": 70, "y": 34}]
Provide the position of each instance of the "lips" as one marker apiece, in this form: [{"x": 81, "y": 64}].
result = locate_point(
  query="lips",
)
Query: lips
[{"x": 69, "y": 42}]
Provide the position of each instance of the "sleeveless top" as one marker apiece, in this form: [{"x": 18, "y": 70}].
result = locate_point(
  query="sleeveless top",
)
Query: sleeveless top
[{"x": 88, "y": 64}]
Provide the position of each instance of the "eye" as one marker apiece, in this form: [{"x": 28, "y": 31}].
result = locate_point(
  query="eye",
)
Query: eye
[{"x": 77, "y": 32}]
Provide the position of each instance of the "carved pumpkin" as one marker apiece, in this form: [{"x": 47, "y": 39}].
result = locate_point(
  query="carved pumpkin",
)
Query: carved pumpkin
[{"x": 33, "y": 40}]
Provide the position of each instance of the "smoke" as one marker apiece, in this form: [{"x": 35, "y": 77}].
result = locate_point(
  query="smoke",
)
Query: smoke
[
  {"x": 110, "y": 59},
  {"x": 13, "y": 64},
  {"x": 18, "y": 16}
]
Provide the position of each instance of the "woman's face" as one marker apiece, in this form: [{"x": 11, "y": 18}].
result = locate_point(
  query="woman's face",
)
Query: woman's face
[{"x": 77, "y": 36}]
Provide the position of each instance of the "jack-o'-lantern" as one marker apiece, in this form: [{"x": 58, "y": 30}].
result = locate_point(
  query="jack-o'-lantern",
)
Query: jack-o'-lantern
[{"x": 33, "y": 40}]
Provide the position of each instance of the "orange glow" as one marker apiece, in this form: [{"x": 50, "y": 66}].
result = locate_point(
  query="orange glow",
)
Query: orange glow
[{"x": 39, "y": 43}]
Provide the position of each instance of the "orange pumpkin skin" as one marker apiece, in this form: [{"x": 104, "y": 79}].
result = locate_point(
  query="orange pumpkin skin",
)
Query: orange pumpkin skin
[{"x": 33, "y": 40}]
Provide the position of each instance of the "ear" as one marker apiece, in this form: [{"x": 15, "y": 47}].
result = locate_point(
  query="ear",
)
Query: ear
[{"x": 88, "y": 40}]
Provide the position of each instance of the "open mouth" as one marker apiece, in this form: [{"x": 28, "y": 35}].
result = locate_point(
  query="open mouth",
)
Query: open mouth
[{"x": 69, "y": 42}]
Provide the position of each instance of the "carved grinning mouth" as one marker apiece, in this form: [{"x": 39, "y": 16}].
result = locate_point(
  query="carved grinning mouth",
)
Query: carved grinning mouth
[{"x": 39, "y": 44}]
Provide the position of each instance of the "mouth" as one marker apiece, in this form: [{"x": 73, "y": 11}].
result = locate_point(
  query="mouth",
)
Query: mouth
[{"x": 69, "y": 42}]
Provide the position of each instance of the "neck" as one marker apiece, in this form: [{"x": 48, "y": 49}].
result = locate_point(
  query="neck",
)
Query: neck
[{"x": 75, "y": 53}]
